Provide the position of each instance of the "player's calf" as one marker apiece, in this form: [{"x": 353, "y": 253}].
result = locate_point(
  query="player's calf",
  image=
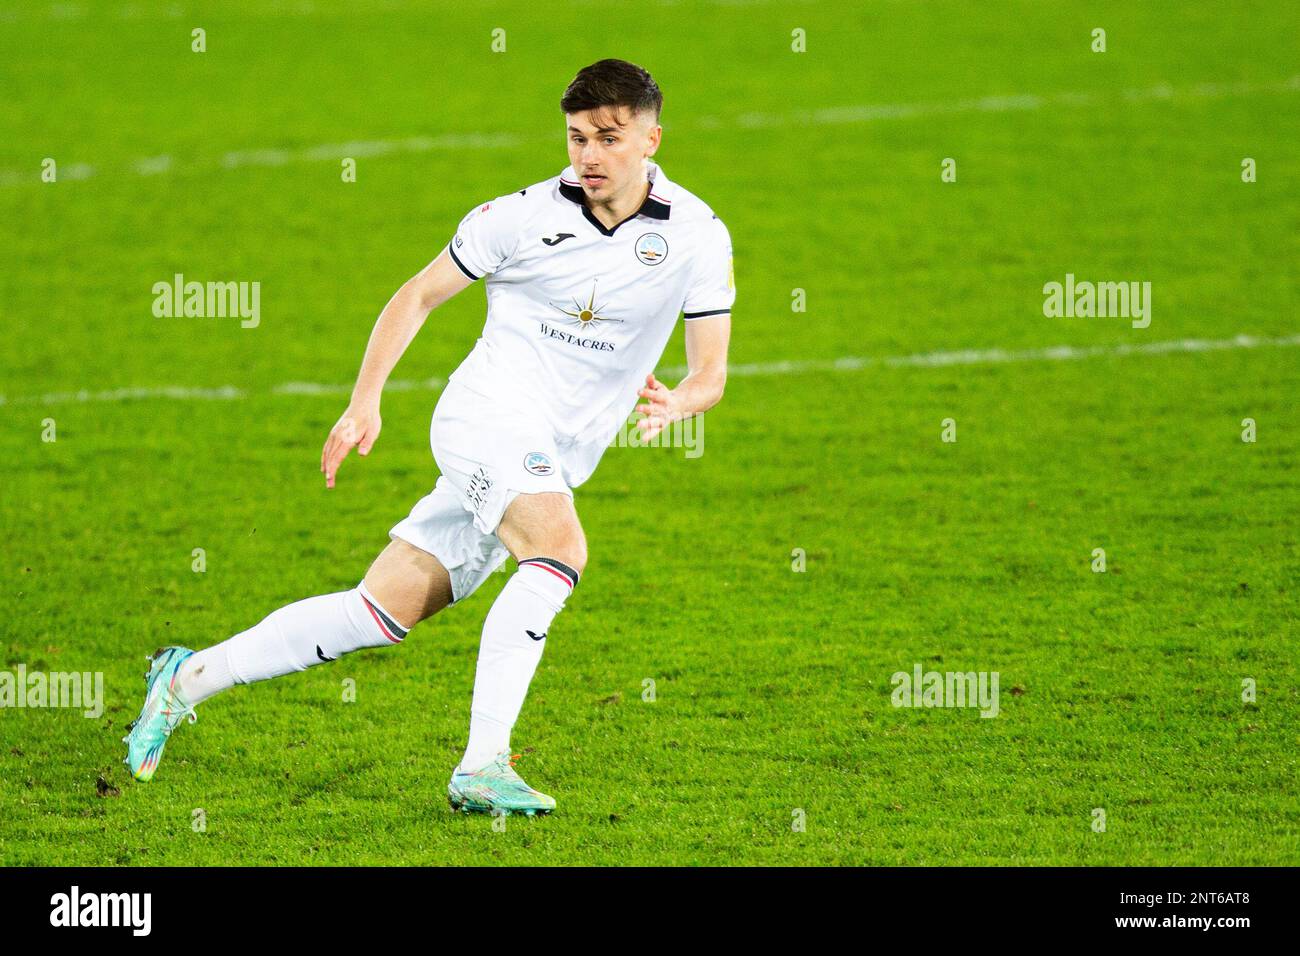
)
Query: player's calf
[
  {"x": 293, "y": 638},
  {"x": 403, "y": 587},
  {"x": 298, "y": 636},
  {"x": 301, "y": 635},
  {"x": 514, "y": 633}
]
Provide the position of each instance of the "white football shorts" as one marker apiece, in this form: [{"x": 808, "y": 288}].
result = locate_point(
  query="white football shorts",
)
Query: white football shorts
[{"x": 488, "y": 452}]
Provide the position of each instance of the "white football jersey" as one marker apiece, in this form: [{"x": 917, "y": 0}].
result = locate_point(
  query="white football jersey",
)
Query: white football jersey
[{"x": 579, "y": 314}]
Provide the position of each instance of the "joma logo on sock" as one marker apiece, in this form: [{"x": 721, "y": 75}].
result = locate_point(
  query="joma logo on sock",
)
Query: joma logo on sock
[
  {"x": 1127, "y": 300},
  {"x": 103, "y": 909},
  {"x": 208, "y": 300},
  {"x": 82, "y": 691},
  {"x": 951, "y": 689}
]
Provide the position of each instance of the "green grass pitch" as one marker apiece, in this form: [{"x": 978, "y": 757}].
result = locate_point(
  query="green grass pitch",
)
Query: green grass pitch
[{"x": 1119, "y": 691}]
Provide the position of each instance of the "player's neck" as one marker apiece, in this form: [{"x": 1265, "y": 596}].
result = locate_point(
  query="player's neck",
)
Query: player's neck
[{"x": 612, "y": 213}]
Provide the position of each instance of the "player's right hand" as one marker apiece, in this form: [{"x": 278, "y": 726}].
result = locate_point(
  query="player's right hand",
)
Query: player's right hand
[{"x": 357, "y": 428}]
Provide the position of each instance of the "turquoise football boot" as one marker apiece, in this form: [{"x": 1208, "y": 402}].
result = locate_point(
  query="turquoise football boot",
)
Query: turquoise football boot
[
  {"x": 496, "y": 789},
  {"x": 163, "y": 710}
]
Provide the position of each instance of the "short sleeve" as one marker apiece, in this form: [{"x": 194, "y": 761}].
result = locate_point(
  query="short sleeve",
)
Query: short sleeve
[
  {"x": 486, "y": 238},
  {"x": 713, "y": 285}
]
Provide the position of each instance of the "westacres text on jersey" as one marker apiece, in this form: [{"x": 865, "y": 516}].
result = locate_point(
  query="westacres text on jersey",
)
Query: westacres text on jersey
[{"x": 595, "y": 344}]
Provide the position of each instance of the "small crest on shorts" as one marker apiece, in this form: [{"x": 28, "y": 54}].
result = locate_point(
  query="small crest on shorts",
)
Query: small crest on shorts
[
  {"x": 536, "y": 463},
  {"x": 652, "y": 248}
]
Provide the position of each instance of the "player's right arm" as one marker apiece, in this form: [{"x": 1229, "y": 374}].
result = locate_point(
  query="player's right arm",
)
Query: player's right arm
[{"x": 396, "y": 327}]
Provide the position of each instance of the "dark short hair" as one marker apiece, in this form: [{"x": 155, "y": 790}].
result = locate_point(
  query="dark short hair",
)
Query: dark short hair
[{"x": 613, "y": 83}]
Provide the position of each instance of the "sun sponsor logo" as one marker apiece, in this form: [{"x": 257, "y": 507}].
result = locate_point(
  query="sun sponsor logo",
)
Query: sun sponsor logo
[
  {"x": 1126, "y": 300},
  {"x": 946, "y": 689},
  {"x": 77, "y": 690},
  {"x": 208, "y": 300}
]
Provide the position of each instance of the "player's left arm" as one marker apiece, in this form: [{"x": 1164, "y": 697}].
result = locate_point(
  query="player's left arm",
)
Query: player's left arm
[{"x": 701, "y": 389}]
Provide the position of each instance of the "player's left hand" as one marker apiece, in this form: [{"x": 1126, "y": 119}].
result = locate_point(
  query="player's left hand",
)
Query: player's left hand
[
  {"x": 357, "y": 428},
  {"x": 660, "y": 408}
]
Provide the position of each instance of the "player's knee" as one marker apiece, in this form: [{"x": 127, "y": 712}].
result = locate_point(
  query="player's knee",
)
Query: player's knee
[
  {"x": 569, "y": 548},
  {"x": 574, "y": 552},
  {"x": 569, "y": 545},
  {"x": 539, "y": 528},
  {"x": 411, "y": 583}
]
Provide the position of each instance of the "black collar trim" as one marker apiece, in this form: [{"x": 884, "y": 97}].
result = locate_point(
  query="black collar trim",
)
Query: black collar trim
[{"x": 653, "y": 206}]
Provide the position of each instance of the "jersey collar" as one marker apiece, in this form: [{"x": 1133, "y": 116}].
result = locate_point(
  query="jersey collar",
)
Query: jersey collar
[{"x": 658, "y": 202}]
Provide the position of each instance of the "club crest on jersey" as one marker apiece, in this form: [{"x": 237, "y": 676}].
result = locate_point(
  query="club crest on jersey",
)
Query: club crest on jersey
[
  {"x": 652, "y": 248},
  {"x": 535, "y": 463}
]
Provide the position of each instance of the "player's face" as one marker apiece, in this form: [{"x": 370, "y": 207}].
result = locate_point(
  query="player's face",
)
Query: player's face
[{"x": 608, "y": 149}]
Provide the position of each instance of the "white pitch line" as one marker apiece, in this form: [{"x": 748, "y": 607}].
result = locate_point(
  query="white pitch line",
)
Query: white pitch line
[
  {"x": 848, "y": 363},
  {"x": 64, "y": 11},
  {"x": 1055, "y": 353},
  {"x": 181, "y": 392},
  {"x": 838, "y": 115},
  {"x": 827, "y": 116},
  {"x": 363, "y": 148}
]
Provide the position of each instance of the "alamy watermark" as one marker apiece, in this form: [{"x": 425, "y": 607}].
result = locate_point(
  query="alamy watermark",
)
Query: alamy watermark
[
  {"x": 1126, "y": 300},
  {"x": 130, "y": 910},
  {"x": 686, "y": 433},
  {"x": 208, "y": 300},
  {"x": 78, "y": 690},
  {"x": 946, "y": 689}
]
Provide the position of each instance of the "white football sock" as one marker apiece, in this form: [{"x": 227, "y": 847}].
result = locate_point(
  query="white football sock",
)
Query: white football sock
[
  {"x": 513, "y": 637},
  {"x": 293, "y": 638}
]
